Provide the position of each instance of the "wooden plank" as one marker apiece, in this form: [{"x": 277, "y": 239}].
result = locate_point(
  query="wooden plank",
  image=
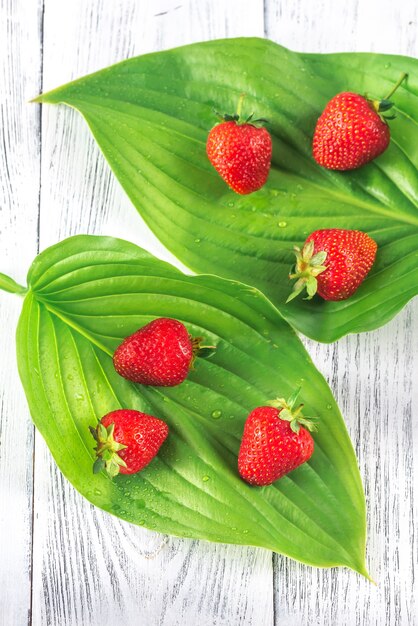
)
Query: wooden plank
[
  {"x": 20, "y": 80},
  {"x": 371, "y": 375},
  {"x": 329, "y": 26},
  {"x": 91, "y": 568}
]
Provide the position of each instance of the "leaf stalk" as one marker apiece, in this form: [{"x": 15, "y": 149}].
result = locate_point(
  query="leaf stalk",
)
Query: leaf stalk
[{"x": 11, "y": 286}]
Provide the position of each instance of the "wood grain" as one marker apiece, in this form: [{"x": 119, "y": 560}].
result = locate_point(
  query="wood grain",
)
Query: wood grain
[
  {"x": 90, "y": 568},
  {"x": 20, "y": 78}
]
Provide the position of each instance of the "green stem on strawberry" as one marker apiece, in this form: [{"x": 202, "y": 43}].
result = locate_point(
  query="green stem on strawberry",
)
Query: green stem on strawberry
[
  {"x": 402, "y": 77},
  {"x": 381, "y": 106},
  {"x": 107, "y": 450},
  {"x": 240, "y": 103},
  {"x": 307, "y": 267},
  {"x": 10, "y": 285},
  {"x": 293, "y": 414},
  {"x": 237, "y": 117}
]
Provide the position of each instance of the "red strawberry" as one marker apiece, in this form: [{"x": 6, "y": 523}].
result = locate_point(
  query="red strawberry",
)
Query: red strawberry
[
  {"x": 240, "y": 151},
  {"x": 274, "y": 443},
  {"x": 333, "y": 262},
  {"x": 160, "y": 354},
  {"x": 352, "y": 130},
  {"x": 127, "y": 441}
]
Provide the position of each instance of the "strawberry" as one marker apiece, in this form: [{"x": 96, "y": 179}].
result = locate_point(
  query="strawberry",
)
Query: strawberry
[
  {"x": 127, "y": 441},
  {"x": 274, "y": 442},
  {"x": 352, "y": 130},
  {"x": 240, "y": 151},
  {"x": 333, "y": 262},
  {"x": 160, "y": 353}
]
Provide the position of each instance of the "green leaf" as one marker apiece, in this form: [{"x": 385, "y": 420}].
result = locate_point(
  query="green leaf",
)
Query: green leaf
[
  {"x": 87, "y": 294},
  {"x": 150, "y": 115}
]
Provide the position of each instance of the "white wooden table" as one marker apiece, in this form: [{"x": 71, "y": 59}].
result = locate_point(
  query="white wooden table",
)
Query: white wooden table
[{"x": 62, "y": 562}]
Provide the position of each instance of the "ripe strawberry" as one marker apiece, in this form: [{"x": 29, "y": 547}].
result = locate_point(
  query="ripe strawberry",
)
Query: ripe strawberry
[
  {"x": 160, "y": 353},
  {"x": 127, "y": 441},
  {"x": 274, "y": 443},
  {"x": 240, "y": 151},
  {"x": 333, "y": 262},
  {"x": 352, "y": 130}
]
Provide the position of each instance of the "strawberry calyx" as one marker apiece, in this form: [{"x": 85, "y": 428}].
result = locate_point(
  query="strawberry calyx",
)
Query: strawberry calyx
[
  {"x": 238, "y": 119},
  {"x": 293, "y": 414},
  {"x": 307, "y": 267},
  {"x": 384, "y": 105},
  {"x": 199, "y": 350},
  {"x": 107, "y": 450}
]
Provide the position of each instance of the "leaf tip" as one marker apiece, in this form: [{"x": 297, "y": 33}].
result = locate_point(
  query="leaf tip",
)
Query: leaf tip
[
  {"x": 37, "y": 99},
  {"x": 362, "y": 570}
]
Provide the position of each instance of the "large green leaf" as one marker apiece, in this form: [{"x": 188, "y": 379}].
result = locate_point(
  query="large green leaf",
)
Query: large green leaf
[
  {"x": 85, "y": 295},
  {"x": 150, "y": 115}
]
